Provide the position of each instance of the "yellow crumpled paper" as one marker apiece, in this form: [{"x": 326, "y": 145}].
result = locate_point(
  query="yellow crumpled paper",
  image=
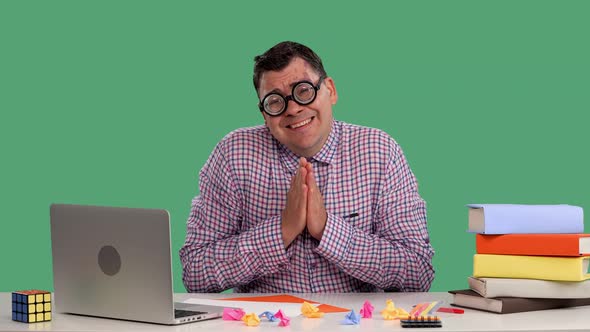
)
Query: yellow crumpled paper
[
  {"x": 251, "y": 319},
  {"x": 310, "y": 311},
  {"x": 391, "y": 312}
]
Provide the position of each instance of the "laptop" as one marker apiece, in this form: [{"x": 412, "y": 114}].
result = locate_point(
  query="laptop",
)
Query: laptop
[{"x": 116, "y": 263}]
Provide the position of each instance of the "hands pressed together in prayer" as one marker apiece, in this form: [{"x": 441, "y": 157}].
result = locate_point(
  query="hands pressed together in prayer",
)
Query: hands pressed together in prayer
[{"x": 305, "y": 206}]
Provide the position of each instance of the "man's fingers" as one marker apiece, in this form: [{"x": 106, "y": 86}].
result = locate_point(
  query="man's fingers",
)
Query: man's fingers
[
  {"x": 302, "y": 162},
  {"x": 299, "y": 178},
  {"x": 303, "y": 176},
  {"x": 294, "y": 213}
]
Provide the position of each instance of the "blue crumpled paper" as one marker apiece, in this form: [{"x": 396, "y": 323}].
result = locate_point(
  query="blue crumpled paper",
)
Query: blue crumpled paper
[
  {"x": 269, "y": 315},
  {"x": 351, "y": 318}
]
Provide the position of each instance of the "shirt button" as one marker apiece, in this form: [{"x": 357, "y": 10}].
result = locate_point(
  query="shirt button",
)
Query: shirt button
[{"x": 313, "y": 266}]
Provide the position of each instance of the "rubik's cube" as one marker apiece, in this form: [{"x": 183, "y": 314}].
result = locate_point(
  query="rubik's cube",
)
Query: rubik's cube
[{"x": 30, "y": 306}]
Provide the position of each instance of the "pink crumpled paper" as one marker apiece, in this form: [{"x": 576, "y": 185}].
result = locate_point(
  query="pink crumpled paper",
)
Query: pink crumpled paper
[
  {"x": 367, "y": 310},
  {"x": 285, "y": 321},
  {"x": 232, "y": 314}
]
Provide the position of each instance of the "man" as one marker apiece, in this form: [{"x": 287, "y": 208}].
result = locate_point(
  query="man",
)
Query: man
[{"x": 305, "y": 203}]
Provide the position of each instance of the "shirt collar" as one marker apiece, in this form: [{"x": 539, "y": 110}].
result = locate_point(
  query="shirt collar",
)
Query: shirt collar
[
  {"x": 326, "y": 154},
  {"x": 328, "y": 151}
]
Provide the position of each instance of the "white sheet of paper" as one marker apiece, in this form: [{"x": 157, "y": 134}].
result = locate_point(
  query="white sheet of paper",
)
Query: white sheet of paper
[{"x": 290, "y": 309}]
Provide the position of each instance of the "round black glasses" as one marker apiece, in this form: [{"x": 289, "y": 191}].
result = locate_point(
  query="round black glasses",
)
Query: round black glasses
[{"x": 303, "y": 93}]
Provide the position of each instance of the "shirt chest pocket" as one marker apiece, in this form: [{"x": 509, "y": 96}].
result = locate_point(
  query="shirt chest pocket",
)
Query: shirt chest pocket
[{"x": 358, "y": 215}]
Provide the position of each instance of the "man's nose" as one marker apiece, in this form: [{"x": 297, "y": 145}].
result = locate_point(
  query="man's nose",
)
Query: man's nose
[{"x": 293, "y": 108}]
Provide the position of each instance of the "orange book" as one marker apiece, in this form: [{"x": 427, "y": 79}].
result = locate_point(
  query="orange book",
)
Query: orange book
[{"x": 534, "y": 244}]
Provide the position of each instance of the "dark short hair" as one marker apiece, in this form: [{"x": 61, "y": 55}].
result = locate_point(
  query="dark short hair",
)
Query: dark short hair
[{"x": 280, "y": 55}]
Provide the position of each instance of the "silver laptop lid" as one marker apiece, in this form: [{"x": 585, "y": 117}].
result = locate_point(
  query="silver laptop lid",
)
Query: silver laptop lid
[{"x": 112, "y": 262}]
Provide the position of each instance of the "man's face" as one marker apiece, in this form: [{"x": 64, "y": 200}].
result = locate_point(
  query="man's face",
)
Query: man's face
[{"x": 303, "y": 129}]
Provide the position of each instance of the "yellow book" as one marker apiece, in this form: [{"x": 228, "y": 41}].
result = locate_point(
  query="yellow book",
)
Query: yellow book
[{"x": 531, "y": 267}]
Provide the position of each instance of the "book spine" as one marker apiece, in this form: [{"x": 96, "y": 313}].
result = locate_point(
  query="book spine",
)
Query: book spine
[
  {"x": 519, "y": 219},
  {"x": 530, "y": 288},
  {"x": 528, "y": 244},
  {"x": 529, "y": 267}
]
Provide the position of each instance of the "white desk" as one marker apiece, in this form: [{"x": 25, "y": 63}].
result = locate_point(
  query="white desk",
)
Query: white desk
[{"x": 569, "y": 319}]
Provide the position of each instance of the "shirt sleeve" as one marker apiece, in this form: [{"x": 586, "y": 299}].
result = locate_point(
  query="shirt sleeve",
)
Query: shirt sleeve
[
  {"x": 398, "y": 255},
  {"x": 217, "y": 254}
]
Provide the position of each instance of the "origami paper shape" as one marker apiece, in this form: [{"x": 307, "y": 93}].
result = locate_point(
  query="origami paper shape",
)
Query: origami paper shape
[
  {"x": 391, "y": 312},
  {"x": 268, "y": 316},
  {"x": 251, "y": 319},
  {"x": 285, "y": 321},
  {"x": 310, "y": 311},
  {"x": 232, "y": 314},
  {"x": 351, "y": 318},
  {"x": 280, "y": 314},
  {"x": 367, "y": 310}
]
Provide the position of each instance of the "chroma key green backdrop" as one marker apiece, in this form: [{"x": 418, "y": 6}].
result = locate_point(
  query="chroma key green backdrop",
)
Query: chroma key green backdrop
[{"x": 120, "y": 103}]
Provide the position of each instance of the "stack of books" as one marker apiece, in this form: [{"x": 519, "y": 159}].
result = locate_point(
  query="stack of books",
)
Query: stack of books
[{"x": 529, "y": 257}]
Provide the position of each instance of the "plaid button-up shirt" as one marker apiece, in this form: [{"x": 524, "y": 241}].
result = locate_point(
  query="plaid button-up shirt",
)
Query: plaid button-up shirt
[{"x": 375, "y": 237}]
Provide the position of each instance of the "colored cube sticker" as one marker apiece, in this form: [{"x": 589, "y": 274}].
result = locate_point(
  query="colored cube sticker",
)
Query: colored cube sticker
[{"x": 31, "y": 306}]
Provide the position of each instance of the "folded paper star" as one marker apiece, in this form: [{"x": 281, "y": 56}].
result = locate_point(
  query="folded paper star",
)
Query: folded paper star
[
  {"x": 367, "y": 310},
  {"x": 310, "y": 311},
  {"x": 391, "y": 312},
  {"x": 351, "y": 318},
  {"x": 233, "y": 314},
  {"x": 251, "y": 319},
  {"x": 268, "y": 316},
  {"x": 285, "y": 321}
]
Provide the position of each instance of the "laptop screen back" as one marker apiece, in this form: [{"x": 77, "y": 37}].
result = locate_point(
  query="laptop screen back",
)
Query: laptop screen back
[{"x": 112, "y": 262}]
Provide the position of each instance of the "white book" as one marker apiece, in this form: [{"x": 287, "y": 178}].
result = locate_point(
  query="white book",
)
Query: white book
[{"x": 530, "y": 288}]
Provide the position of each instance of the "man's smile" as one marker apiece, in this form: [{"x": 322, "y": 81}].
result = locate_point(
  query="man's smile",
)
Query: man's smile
[{"x": 301, "y": 124}]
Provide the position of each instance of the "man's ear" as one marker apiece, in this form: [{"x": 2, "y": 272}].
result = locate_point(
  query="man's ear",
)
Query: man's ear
[
  {"x": 263, "y": 117},
  {"x": 329, "y": 82}
]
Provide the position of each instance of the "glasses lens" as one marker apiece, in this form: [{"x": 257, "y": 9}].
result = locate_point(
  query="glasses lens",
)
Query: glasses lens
[
  {"x": 274, "y": 104},
  {"x": 304, "y": 93}
]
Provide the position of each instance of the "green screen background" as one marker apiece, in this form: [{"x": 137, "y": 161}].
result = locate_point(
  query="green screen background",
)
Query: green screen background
[{"x": 120, "y": 103}]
